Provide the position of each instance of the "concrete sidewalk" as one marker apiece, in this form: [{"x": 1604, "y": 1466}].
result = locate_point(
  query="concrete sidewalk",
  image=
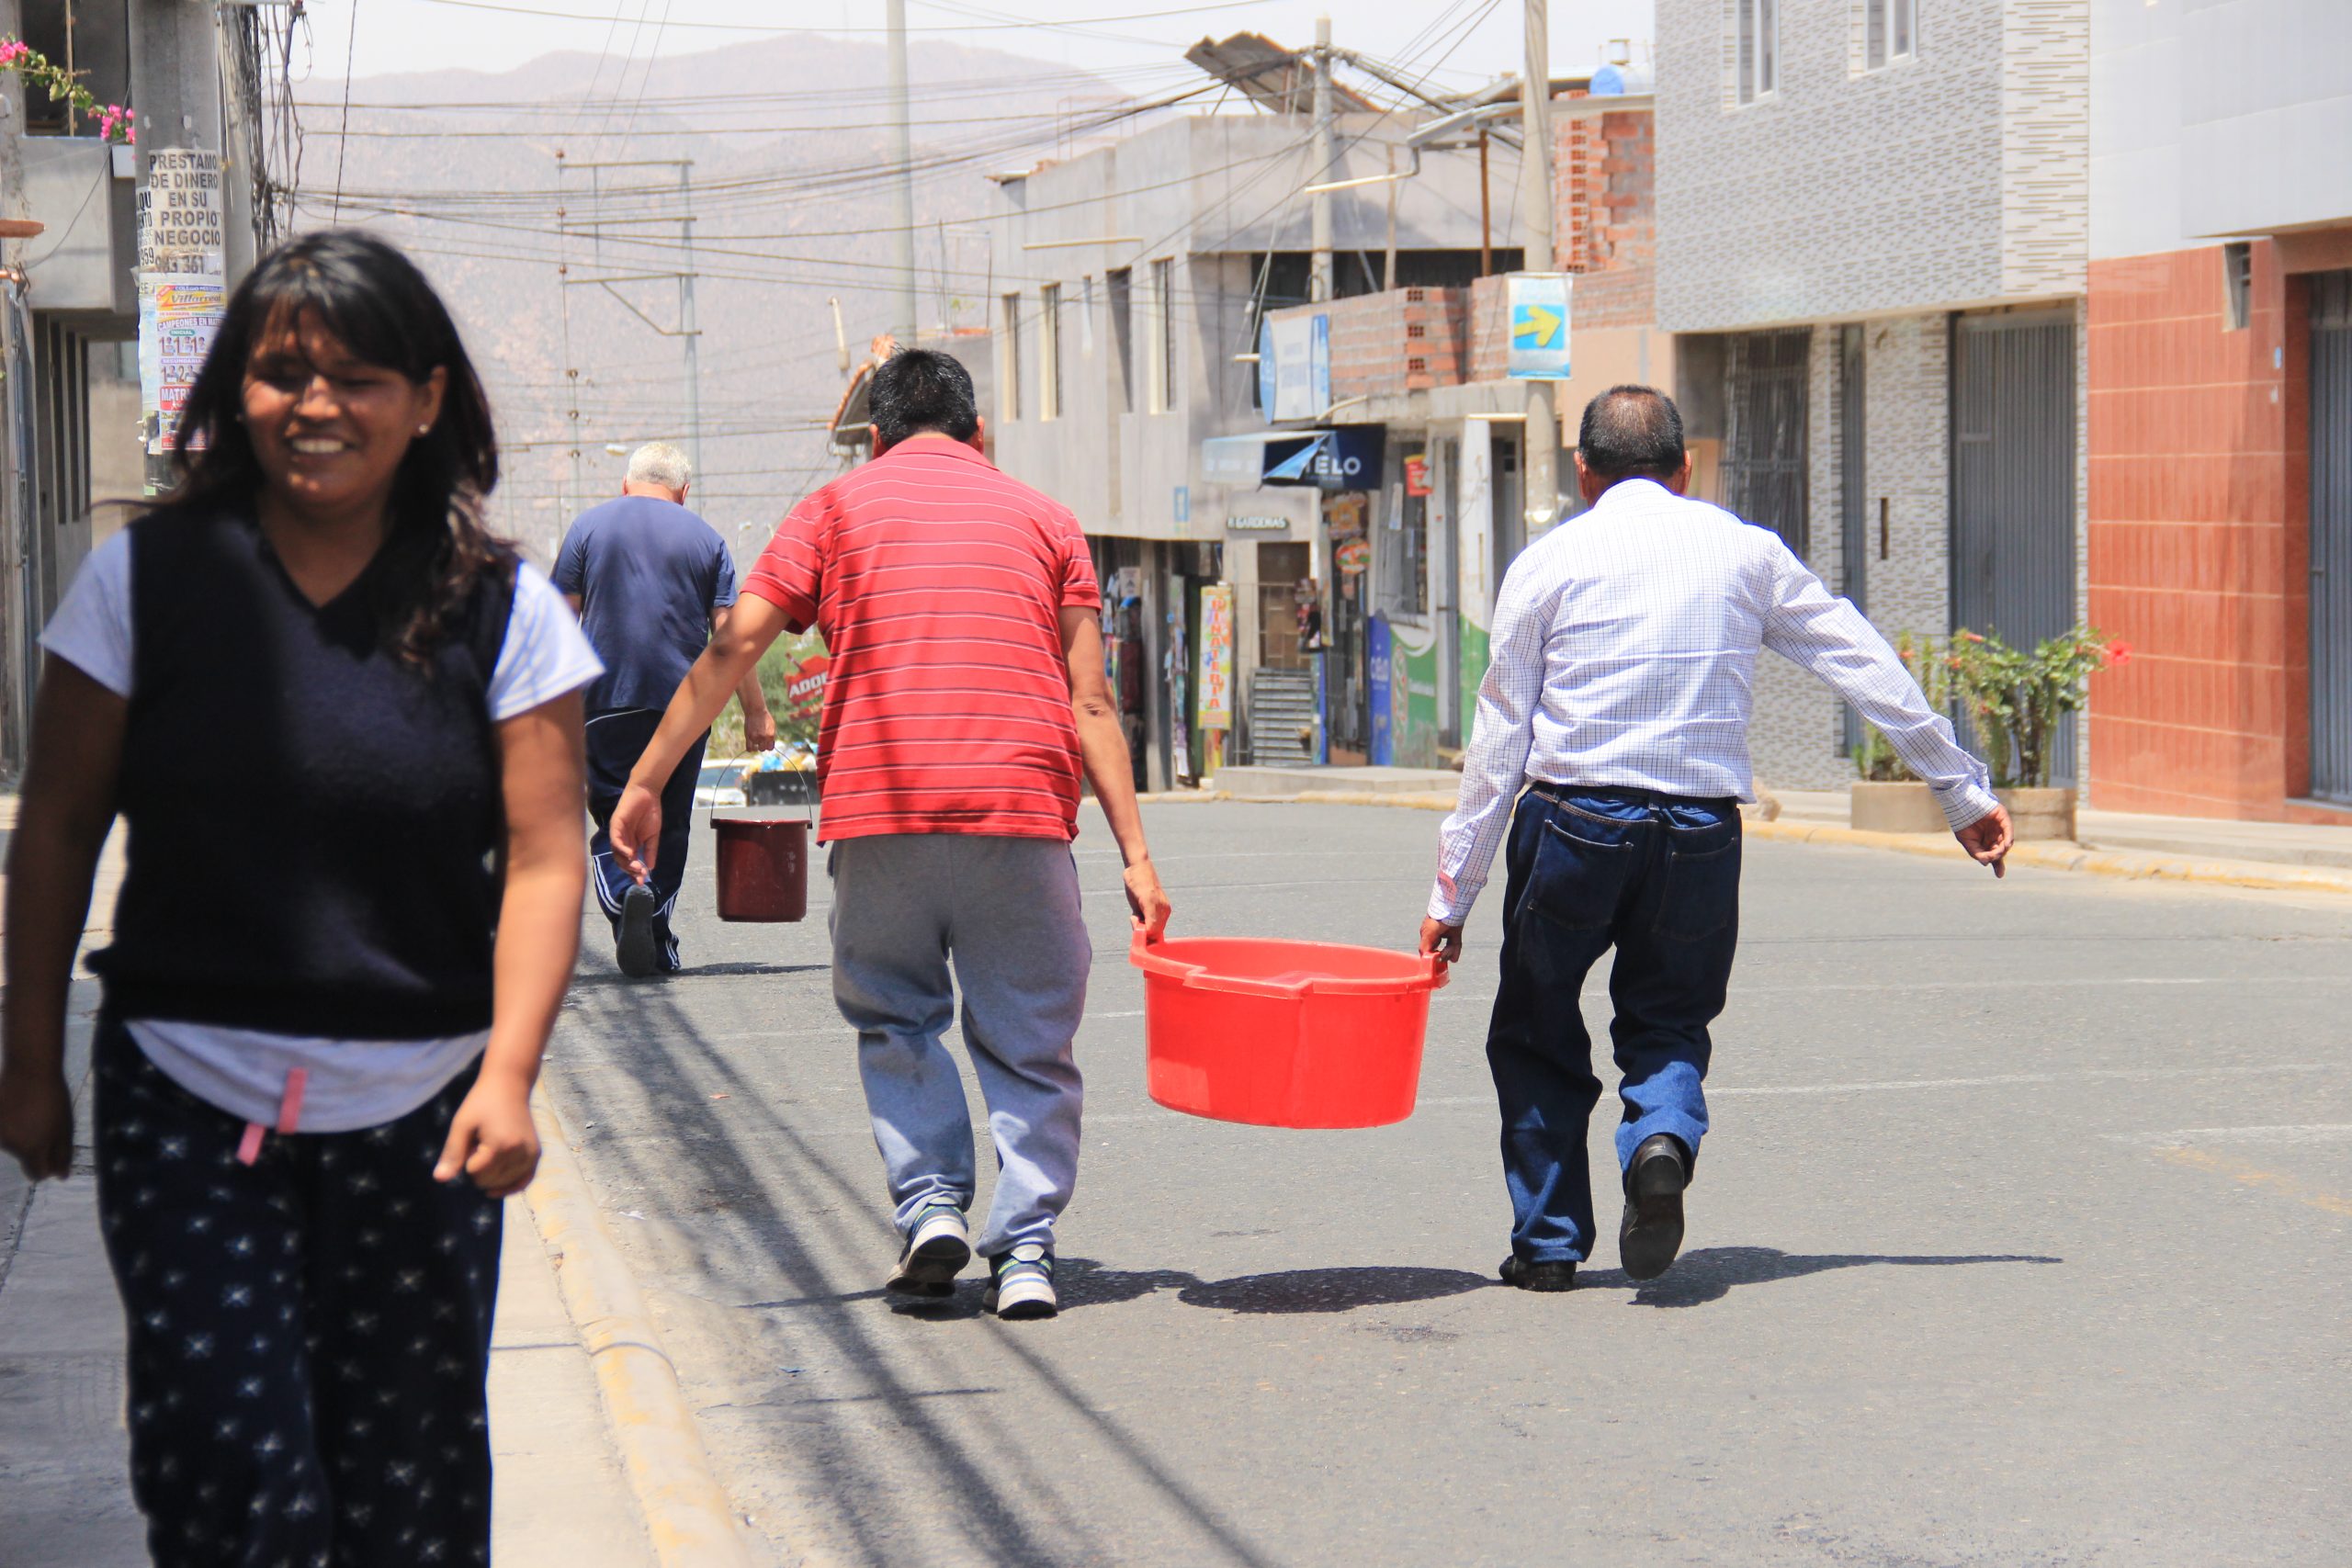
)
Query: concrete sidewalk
[
  {"x": 561, "y": 1499},
  {"x": 2193, "y": 838}
]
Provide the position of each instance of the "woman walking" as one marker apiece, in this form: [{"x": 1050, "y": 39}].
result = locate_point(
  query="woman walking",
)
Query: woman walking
[{"x": 343, "y": 724}]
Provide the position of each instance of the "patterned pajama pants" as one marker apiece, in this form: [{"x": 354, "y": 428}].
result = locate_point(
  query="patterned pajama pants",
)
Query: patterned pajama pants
[{"x": 310, "y": 1335}]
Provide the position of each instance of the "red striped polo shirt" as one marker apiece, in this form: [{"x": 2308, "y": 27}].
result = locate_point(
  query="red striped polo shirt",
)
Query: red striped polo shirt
[{"x": 938, "y": 584}]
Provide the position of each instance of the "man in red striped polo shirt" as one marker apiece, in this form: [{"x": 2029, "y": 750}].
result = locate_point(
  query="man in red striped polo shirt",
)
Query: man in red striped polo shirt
[{"x": 966, "y": 697}]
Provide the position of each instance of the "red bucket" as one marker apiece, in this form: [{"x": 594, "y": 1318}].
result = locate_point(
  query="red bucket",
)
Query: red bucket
[
  {"x": 763, "y": 865},
  {"x": 1286, "y": 1034}
]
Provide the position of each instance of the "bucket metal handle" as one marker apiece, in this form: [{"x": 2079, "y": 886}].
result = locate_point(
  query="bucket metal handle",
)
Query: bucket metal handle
[{"x": 710, "y": 812}]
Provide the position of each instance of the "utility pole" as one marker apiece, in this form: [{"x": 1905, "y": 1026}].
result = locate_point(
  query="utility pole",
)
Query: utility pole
[
  {"x": 686, "y": 327},
  {"x": 1542, "y": 484},
  {"x": 239, "y": 69},
  {"x": 904, "y": 320},
  {"x": 1318, "y": 284},
  {"x": 175, "y": 91}
]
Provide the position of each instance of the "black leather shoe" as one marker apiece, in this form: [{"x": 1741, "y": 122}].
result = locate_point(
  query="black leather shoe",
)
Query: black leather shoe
[
  {"x": 1518, "y": 1271},
  {"x": 1651, "y": 1233}
]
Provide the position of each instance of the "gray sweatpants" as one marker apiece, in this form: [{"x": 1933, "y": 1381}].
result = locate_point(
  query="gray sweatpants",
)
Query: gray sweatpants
[{"x": 1007, "y": 912}]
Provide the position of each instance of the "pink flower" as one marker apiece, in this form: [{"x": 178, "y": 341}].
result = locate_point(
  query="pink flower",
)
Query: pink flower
[
  {"x": 12, "y": 51},
  {"x": 2118, "y": 654}
]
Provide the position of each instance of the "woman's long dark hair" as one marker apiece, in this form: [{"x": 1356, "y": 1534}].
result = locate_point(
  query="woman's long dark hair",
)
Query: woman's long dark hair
[{"x": 373, "y": 301}]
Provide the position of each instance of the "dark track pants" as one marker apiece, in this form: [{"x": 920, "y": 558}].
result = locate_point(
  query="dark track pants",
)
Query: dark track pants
[
  {"x": 309, "y": 1334},
  {"x": 616, "y": 741}
]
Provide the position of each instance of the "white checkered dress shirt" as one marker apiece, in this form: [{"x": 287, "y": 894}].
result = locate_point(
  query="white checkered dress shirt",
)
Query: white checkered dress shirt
[{"x": 1624, "y": 653}]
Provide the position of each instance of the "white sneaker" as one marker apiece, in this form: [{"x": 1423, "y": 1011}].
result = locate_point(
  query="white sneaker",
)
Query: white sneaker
[
  {"x": 936, "y": 1249},
  {"x": 1021, "y": 1284}
]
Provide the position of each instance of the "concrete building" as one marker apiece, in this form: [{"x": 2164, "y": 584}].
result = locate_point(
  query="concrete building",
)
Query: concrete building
[
  {"x": 69, "y": 399},
  {"x": 1410, "y": 568},
  {"x": 1872, "y": 241},
  {"x": 1132, "y": 285},
  {"x": 2220, "y": 406}
]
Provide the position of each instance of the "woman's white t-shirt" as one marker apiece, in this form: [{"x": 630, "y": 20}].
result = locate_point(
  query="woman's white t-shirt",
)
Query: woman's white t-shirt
[{"x": 348, "y": 1084}]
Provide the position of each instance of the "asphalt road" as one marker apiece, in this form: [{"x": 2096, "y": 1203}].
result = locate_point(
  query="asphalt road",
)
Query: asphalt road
[{"x": 2021, "y": 1237}]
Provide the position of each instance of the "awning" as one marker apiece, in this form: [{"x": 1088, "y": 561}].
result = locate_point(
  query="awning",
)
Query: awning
[{"x": 1241, "y": 460}]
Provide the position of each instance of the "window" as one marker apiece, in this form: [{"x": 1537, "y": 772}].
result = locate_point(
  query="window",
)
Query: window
[
  {"x": 1009, "y": 376},
  {"x": 1049, "y": 350},
  {"x": 1163, "y": 336},
  {"x": 1119, "y": 284},
  {"x": 2237, "y": 285},
  {"x": 1890, "y": 32},
  {"x": 1758, "y": 66}
]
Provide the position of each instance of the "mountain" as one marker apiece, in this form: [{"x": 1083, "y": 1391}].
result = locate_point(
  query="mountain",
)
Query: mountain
[{"x": 791, "y": 205}]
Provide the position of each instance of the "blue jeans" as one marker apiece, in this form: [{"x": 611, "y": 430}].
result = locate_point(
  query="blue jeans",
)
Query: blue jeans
[{"x": 1659, "y": 878}]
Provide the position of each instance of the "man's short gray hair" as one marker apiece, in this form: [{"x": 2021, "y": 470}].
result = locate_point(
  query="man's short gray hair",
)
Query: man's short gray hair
[{"x": 660, "y": 463}]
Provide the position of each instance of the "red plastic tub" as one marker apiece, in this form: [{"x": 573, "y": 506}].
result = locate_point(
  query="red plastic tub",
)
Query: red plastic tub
[{"x": 1286, "y": 1034}]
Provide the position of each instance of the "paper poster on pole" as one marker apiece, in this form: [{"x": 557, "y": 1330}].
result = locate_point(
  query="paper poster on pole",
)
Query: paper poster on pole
[
  {"x": 1216, "y": 710},
  {"x": 182, "y": 285},
  {"x": 1539, "y": 326}
]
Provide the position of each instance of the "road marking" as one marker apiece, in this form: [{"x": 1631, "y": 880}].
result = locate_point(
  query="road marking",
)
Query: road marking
[
  {"x": 2254, "y": 1176},
  {"x": 2308, "y": 1133}
]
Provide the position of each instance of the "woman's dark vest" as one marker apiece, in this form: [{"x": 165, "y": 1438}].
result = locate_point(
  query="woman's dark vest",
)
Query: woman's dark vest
[{"x": 315, "y": 823}]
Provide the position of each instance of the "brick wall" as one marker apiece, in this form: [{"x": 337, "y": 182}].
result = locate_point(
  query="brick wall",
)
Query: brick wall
[
  {"x": 2198, "y": 461},
  {"x": 1404, "y": 339}
]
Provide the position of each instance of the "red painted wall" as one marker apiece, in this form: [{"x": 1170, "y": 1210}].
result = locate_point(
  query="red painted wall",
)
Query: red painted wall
[{"x": 2198, "y": 525}]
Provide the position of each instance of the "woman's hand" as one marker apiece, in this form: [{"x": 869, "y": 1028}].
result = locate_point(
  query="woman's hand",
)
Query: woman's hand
[
  {"x": 37, "y": 1123},
  {"x": 492, "y": 1138}
]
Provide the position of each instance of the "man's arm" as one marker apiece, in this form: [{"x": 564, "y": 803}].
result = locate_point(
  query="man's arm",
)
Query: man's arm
[
  {"x": 1496, "y": 767},
  {"x": 735, "y": 649},
  {"x": 1102, "y": 746},
  {"x": 1813, "y": 627}
]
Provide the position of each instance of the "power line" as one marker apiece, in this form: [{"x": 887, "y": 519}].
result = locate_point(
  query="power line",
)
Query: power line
[
  {"x": 350, "y": 44},
  {"x": 758, "y": 28}
]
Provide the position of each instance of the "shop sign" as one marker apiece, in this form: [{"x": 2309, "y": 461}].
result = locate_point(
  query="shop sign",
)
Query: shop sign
[
  {"x": 1233, "y": 459},
  {"x": 1257, "y": 522},
  {"x": 1294, "y": 366},
  {"x": 1216, "y": 709},
  {"x": 1539, "y": 326},
  {"x": 804, "y": 689},
  {"x": 1352, "y": 556},
  {"x": 1181, "y": 504},
  {"x": 1345, "y": 458},
  {"x": 1417, "y": 473}
]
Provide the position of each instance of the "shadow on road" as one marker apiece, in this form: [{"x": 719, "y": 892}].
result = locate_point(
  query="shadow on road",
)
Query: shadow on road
[{"x": 1709, "y": 1273}]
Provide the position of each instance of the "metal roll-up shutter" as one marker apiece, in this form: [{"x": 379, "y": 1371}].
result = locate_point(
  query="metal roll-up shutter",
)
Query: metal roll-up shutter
[
  {"x": 2013, "y": 485},
  {"x": 2331, "y": 551}
]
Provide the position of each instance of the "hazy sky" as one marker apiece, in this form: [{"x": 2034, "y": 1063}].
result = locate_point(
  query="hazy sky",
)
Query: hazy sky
[{"x": 422, "y": 35}]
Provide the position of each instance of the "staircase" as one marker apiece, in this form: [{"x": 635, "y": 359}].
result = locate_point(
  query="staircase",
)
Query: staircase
[{"x": 1282, "y": 708}]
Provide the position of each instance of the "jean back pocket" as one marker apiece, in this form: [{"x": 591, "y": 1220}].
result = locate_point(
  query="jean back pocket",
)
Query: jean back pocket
[
  {"x": 1581, "y": 867},
  {"x": 1702, "y": 892}
]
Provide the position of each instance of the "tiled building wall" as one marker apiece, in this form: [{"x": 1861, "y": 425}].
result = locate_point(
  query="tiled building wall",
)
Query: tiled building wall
[
  {"x": 1907, "y": 462},
  {"x": 1838, "y": 195},
  {"x": 1798, "y": 735},
  {"x": 2198, "y": 474}
]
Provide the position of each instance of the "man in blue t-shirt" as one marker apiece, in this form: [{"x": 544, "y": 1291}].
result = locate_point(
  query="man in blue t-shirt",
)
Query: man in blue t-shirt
[{"x": 650, "y": 580}]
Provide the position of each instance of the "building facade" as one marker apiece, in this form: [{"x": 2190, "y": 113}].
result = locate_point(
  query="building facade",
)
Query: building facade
[
  {"x": 1872, "y": 244},
  {"x": 2220, "y": 406},
  {"x": 1135, "y": 284}
]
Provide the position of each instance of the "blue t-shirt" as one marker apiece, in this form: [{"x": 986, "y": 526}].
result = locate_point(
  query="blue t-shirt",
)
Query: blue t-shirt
[{"x": 649, "y": 573}]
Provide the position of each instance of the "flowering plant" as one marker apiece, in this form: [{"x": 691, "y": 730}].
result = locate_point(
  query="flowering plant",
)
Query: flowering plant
[
  {"x": 2016, "y": 700},
  {"x": 1875, "y": 758},
  {"x": 115, "y": 123}
]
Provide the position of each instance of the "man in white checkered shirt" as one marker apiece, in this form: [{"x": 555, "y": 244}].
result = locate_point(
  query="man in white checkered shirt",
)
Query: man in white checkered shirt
[{"x": 1618, "y": 697}]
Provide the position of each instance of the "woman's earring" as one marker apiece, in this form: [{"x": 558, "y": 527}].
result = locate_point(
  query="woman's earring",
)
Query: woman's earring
[{"x": 424, "y": 430}]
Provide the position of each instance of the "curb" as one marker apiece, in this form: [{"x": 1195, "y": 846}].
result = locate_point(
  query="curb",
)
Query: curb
[
  {"x": 2128, "y": 865},
  {"x": 687, "y": 1514},
  {"x": 2061, "y": 856}
]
